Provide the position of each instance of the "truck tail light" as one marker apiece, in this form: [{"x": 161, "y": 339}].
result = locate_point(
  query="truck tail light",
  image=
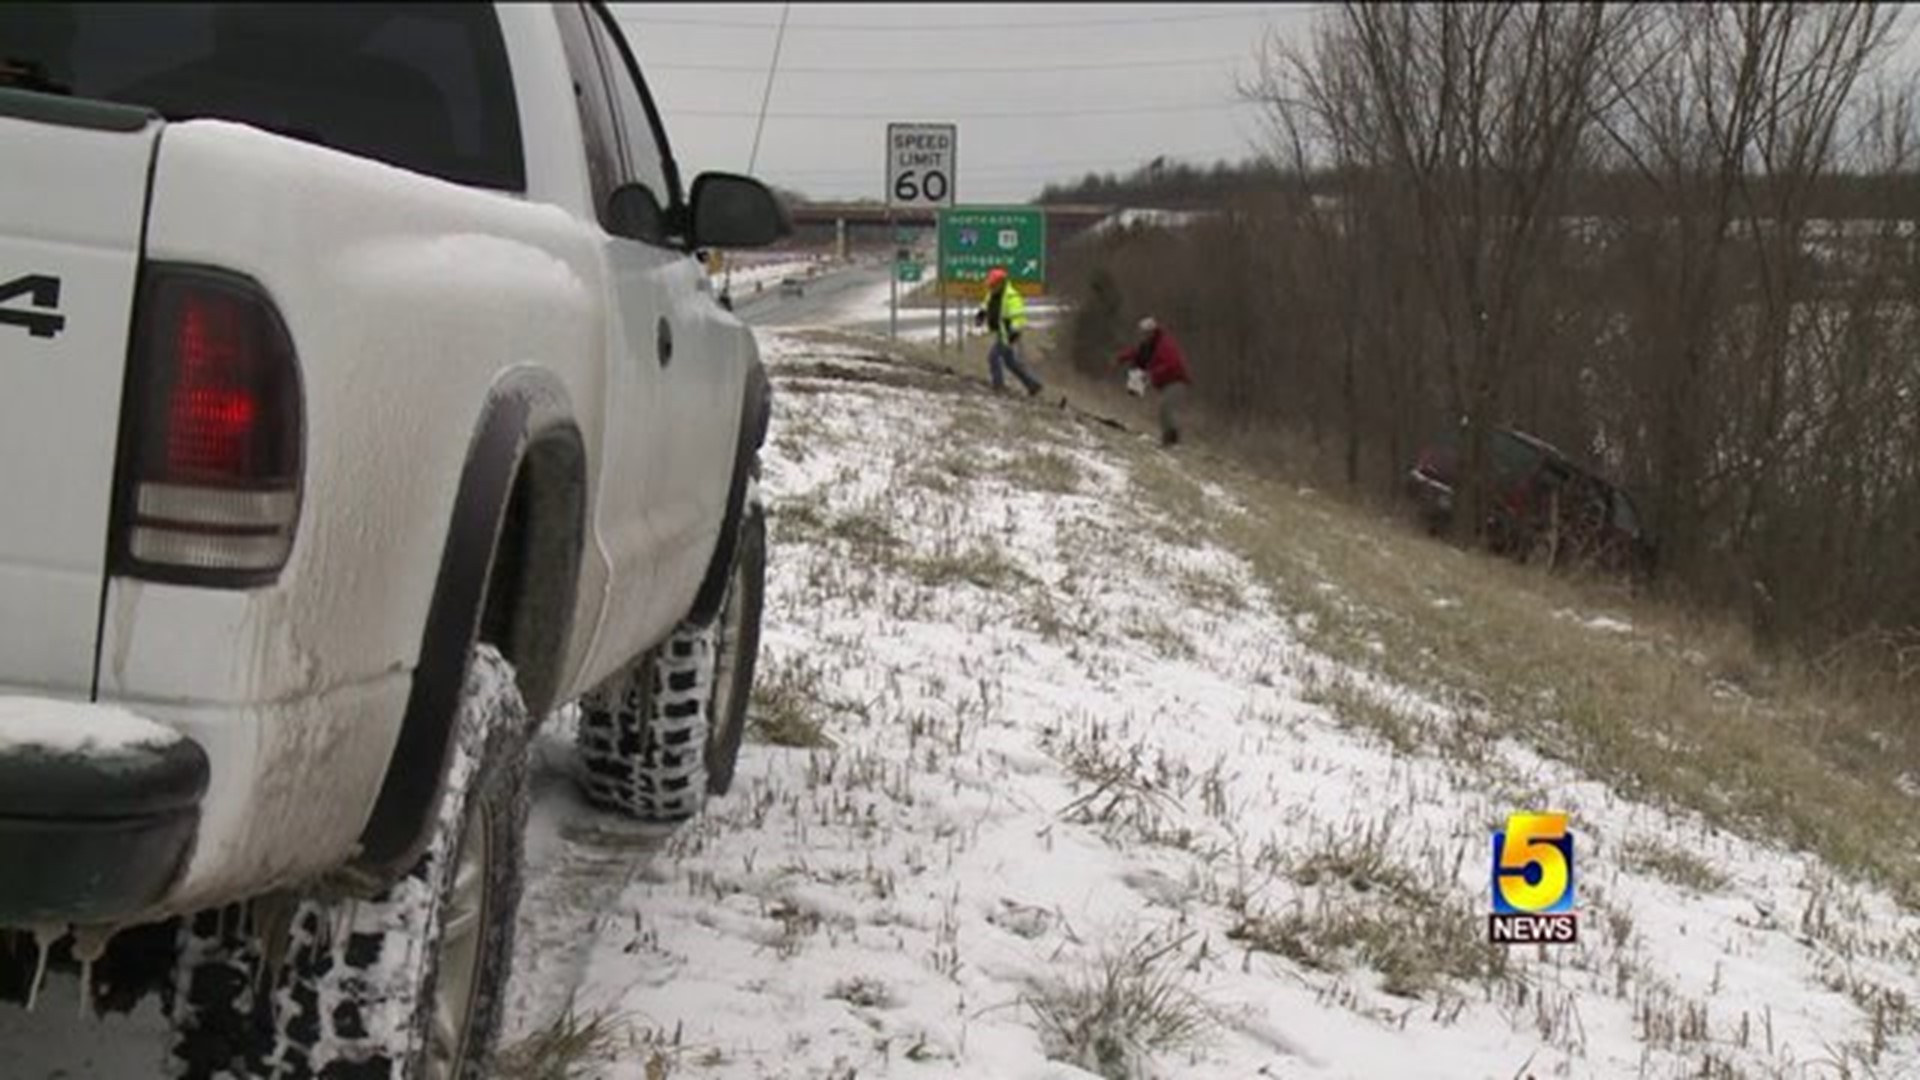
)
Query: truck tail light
[{"x": 210, "y": 476}]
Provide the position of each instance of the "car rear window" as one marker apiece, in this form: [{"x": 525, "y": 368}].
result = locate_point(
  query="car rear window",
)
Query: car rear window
[
  {"x": 424, "y": 87},
  {"x": 1514, "y": 457}
]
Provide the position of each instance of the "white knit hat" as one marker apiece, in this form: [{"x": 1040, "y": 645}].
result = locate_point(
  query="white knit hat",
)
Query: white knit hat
[{"x": 1148, "y": 326}]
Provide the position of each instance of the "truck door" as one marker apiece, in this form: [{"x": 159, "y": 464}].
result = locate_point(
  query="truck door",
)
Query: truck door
[
  {"x": 634, "y": 403},
  {"x": 692, "y": 454}
]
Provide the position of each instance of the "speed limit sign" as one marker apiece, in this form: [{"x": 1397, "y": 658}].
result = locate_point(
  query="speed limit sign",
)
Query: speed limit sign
[{"x": 920, "y": 164}]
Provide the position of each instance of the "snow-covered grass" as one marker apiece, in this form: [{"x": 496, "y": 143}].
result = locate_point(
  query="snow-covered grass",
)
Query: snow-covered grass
[
  {"x": 1071, "y": 763},
  {"x": 1072, "y": 757}
]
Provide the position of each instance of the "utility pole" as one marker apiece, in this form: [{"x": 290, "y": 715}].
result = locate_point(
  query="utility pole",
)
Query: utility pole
[{"x": 939, "y": 264}]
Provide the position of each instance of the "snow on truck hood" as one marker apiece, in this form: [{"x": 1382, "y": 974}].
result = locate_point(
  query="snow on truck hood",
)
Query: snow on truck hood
[{"x": 64, "y": 727}]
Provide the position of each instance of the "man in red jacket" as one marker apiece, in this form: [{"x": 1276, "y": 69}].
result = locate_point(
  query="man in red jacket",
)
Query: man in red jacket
[{"x": 1159, "y": 356}]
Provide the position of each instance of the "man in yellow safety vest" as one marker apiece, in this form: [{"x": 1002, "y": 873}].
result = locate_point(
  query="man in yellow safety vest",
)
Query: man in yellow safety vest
[{"x": 1004, "y": 315}]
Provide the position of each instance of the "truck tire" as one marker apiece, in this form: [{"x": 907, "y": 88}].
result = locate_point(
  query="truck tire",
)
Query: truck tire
[
  {"x": 215, "y": 1012},
  {"x": 410, "y": 985},
  {"x": 664, "y": 733}
]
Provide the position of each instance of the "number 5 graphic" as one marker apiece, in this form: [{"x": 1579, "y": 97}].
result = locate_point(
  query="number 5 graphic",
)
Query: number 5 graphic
[{"x": 1533, "y": 864}]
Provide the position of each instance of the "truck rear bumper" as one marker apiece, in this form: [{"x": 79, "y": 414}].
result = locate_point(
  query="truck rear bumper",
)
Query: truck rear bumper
[{"x": 98, "y": 811}]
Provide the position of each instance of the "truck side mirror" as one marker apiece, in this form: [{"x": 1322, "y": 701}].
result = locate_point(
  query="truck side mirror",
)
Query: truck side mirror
[{"x": 735, "y": 211}]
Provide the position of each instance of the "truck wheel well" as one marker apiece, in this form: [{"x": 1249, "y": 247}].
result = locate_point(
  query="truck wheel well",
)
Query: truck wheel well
[
  {"x": 756, "y": 410},
  {"x": 525, "y": 452},
  {"x": 536, "y": 567}
]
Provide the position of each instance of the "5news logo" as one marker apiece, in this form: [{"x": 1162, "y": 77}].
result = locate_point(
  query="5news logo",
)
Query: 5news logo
[{"x": 1533, "y": 881}]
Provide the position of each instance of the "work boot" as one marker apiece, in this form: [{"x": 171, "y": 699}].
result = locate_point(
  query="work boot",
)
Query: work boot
[{"x": 1169, "y": 438}]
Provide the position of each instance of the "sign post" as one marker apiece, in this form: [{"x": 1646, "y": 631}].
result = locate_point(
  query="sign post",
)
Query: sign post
[{"x": 921, "y": 159}]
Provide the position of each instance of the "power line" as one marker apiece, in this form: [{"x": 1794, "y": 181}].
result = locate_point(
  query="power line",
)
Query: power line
[
  {"x": 1048, "y": 68},
  {"x": 1023, "y": 26},
  {"x": 767, "y": 94},
  {"x": 1036, "y": 166},
  {"x": 1024, "y": 114}
]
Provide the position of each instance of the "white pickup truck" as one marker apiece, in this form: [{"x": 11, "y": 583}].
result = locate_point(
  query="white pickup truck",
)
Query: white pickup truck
[{"x": 361, "y": 398}]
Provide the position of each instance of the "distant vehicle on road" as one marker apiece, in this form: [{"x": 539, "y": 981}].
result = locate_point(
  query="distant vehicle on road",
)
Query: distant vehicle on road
[
  {"x": 792, "y": 286},
  {"x": 1542, "y": 504}
]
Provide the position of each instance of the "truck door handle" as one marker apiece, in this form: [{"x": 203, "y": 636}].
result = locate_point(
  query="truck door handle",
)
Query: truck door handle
[{"x": 663, "y": 340}]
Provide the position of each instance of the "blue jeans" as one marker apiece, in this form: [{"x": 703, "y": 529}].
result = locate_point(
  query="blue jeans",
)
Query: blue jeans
[{"x": 1001, "y": 353}]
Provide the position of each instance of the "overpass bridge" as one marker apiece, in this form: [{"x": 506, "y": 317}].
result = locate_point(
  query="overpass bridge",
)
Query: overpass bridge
[{"x": 849, "y": 228}]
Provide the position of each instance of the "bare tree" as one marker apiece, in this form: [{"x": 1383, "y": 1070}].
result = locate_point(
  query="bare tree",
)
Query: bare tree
[
  {"x": 1727, "y": 114},
  {"x": 1474, "y": 117},
  {"x": 1617, "y": 225}
]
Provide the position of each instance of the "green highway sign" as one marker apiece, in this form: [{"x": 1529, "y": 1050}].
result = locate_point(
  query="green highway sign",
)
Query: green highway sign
[
  {"x": 975, "y": 239},
  {"x": 910, "y": 271}
]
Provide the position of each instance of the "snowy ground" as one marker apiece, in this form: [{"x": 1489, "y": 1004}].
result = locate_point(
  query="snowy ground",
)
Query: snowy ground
[
  {"x": 1064, "y": 806},
  {"x": 1069, "y": 813}
]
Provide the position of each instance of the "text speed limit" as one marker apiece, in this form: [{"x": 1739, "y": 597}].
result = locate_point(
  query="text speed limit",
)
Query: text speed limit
[{"x": 920, "y": 164}]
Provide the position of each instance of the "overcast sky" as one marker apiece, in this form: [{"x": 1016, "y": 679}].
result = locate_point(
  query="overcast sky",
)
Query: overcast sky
[{"x": 1040, "y": 92}]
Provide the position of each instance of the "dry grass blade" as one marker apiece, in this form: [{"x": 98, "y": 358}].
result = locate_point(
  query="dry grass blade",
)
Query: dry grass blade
[
  {"x": 1119, "y": 792},
  {"x": 570, "y": 1048}
]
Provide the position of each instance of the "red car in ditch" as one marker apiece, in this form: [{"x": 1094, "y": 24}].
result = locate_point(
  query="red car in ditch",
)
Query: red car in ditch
[{"x": 1541, "y": 504}]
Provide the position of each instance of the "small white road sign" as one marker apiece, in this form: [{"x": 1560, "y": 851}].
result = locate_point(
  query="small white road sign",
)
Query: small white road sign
[{"x": 920, "y": 164}]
